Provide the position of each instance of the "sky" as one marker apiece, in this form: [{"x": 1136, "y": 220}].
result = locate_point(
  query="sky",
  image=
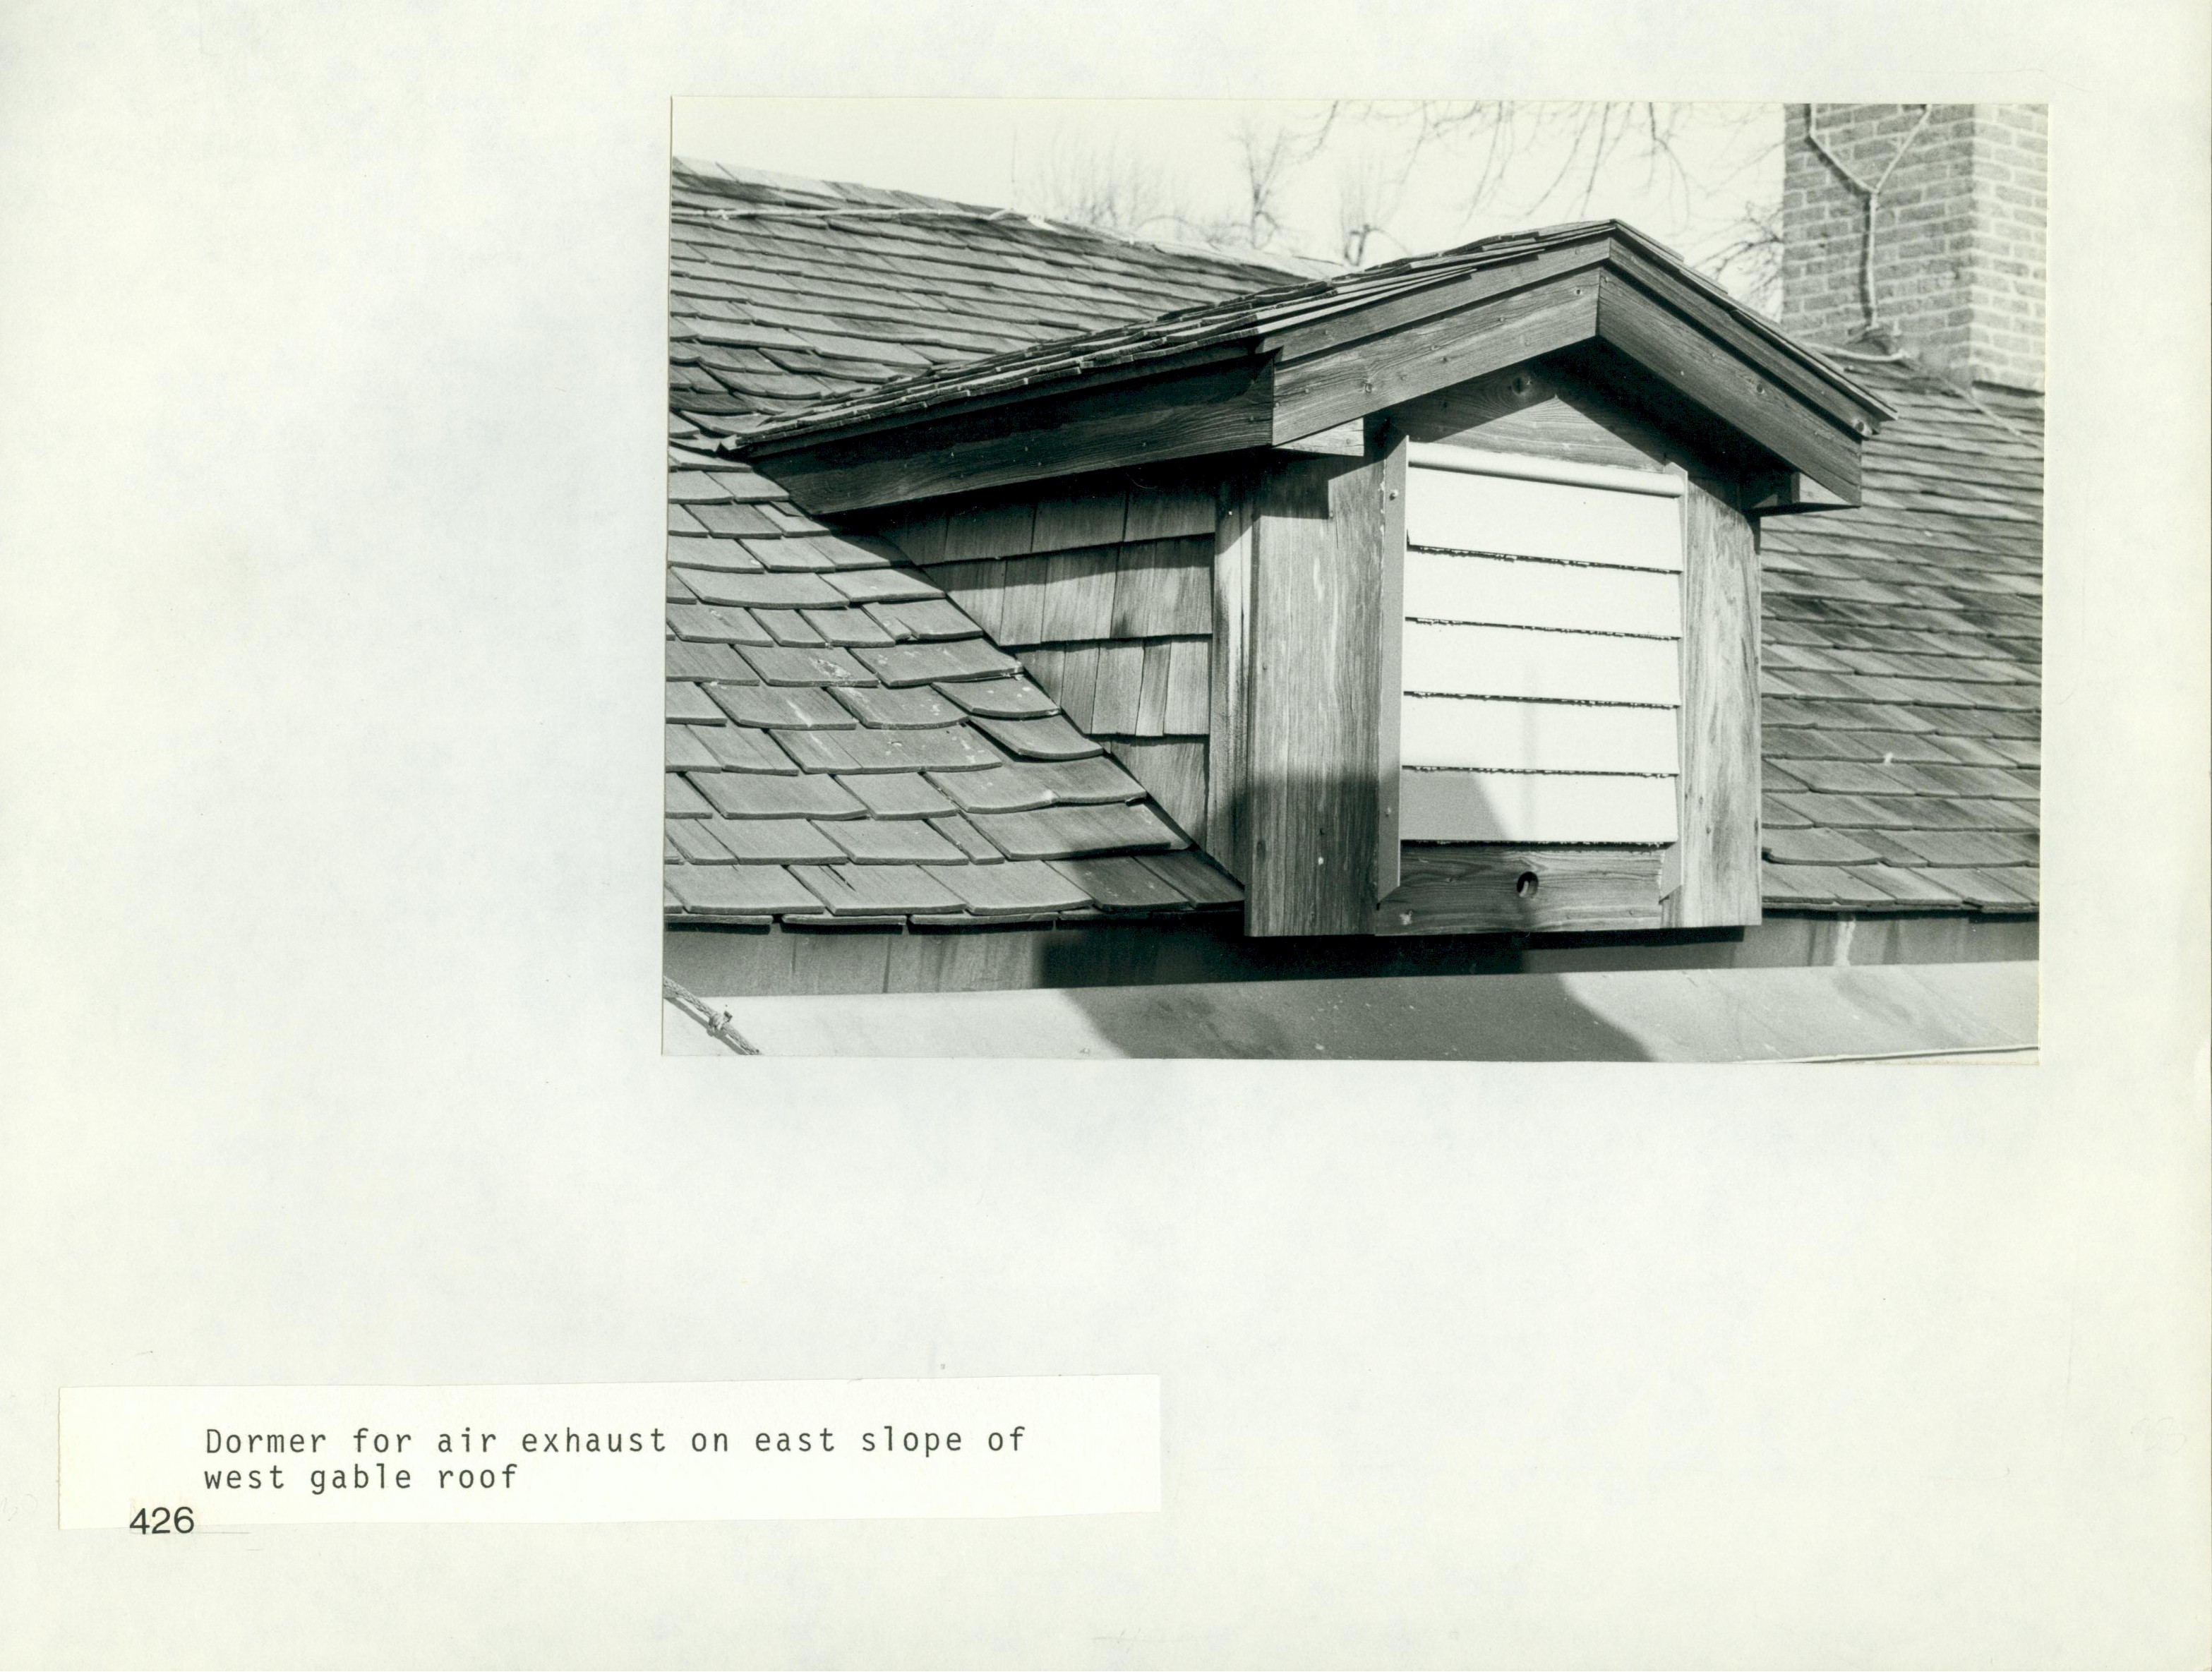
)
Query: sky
[{"x": 1183, "y": 161}]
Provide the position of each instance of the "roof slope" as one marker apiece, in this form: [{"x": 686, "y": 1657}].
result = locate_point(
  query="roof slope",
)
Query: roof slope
[
  {"x": 830, "y": 712},
  {"x": 1901, "y": 660},
  {"x": 1287, "y": 305},
  {"x": 843, "y": 744},
  {"x": 785, "y": 294}
]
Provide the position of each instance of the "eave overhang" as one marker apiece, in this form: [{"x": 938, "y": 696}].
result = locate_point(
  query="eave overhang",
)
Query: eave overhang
[{"x": 1274, "y": 368}]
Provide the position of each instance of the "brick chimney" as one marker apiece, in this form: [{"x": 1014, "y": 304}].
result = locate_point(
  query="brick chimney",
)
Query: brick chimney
[{"x": 1958, "y": 231}]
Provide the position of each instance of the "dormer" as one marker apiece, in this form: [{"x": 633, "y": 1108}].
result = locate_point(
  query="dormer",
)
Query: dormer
[{"x": 1425, "y": 599}]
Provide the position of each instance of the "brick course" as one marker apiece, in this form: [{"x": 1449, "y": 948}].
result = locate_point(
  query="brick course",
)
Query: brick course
[{"x": 1959, "y": 240}]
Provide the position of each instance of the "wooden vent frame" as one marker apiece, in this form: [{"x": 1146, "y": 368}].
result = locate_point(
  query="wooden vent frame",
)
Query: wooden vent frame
[{"x": 1304, "y": 797}]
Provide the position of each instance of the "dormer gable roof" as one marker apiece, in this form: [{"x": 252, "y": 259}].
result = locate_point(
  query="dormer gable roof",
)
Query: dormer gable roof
[{"x": 1276, "y": 365}]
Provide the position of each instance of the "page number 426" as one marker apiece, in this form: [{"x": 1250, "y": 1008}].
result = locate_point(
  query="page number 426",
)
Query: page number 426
[{"x": 178, "y": 1520}]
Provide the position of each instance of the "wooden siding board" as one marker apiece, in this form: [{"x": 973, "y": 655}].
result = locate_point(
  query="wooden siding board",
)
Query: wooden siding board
[
  {"x": 1090, "y": 517},
  {"x": 1120, "y": 680},
  {"x": 1506, "y": 736},
  {"x": 1078, "y": 683},
  {"x": 1079, "y": 594},
  {"x": 1456, "y": 511},
  {"x": 1531, "y": 662},
  {"x": 1470, "y": 890},
  {"x": 1177, "y": 511},
  {"x": 1228, "y": 824},
  {"x": 1455, "y": 806},
  {"x": 1021, "y": 603},
  {"x": 1189, "y": 667},
  {"x": 980, "y": 589},
  {"x": 1505, "y": 592},
  {"x": 1173, "y": 771},
  {"x": 1162, "y": 588},
  {"x": 1153, "y": 691},
  {"x": 1005, "y": 529},
  {"x": 1720, "y": 721}
]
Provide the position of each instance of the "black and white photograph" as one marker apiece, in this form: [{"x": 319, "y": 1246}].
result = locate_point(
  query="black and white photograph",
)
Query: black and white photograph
[
  {"x": 1201, "y": 602},
  {"x": 1191, "y": 834}
]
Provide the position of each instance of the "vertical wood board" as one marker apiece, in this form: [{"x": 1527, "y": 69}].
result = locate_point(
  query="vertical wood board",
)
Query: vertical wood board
[
  {"x": 1720, "y": 809},
  {"x": 1121, "y": 682},
  {"x": 1153, "y": 691},
  {"x": 1389, "y": 663},
  {"x": 1228, "y": 813},
  {"x": 1319, "y": 595}
]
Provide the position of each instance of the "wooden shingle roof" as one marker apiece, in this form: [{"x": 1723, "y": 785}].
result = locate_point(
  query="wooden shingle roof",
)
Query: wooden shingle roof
[
  {"x": 838, "y": 744},
  {"x": 843, "y": 743},
  {"x": 1901, "y": 668}
]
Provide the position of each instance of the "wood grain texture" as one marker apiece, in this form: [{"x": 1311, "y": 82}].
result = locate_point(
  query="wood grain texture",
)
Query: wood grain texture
[
  {"x": 1163, "y": 589},
  {"x": 1212, "y": 409},
  {"x": 1152, "y": 690},
  {"x": 1228, "y": 820},
  {"x": 1188, "y": 669},
  {"x": 919, "y": 536},
  {"x": 1456, "y": 511},
  {"x": 1003, "y": 528},
  {"x": 1477, "y": 890},
  {"x": 1390, "y": 659},
  {"x": 1079, "y": 594},
  {"x": 1506, "y": 807},
  {"x": 1528, "y": 410},
  {"x": 1121, "y": 683},
  {"x": 1320, "y": 336},
  {"x": 1173, "y": 772},
  {"x": 1171, "y": 511},
  {"x": 1382, "y": 371},
  {"x": 1811, "y": 383},
  {"x": 1504, "y": 593},
  {"x": 980, "y": 589},
  {"x": 1080, "y": 517},
  {"x": 1078, "y": 683},
  {"x": 1693, "y": 363},
  {"x": 1345, "y": 441},
  {"x": 1536, "y": 737},
  {"x": 1021, "y": 602},
  {"x": 1319, "y": 597},
  {"x": 1720, "y": 786},
  {"x": 1531, "y": 662}
]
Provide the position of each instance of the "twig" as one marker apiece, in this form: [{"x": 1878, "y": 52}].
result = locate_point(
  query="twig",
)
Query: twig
[{"x": 716, "y": 1022}]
